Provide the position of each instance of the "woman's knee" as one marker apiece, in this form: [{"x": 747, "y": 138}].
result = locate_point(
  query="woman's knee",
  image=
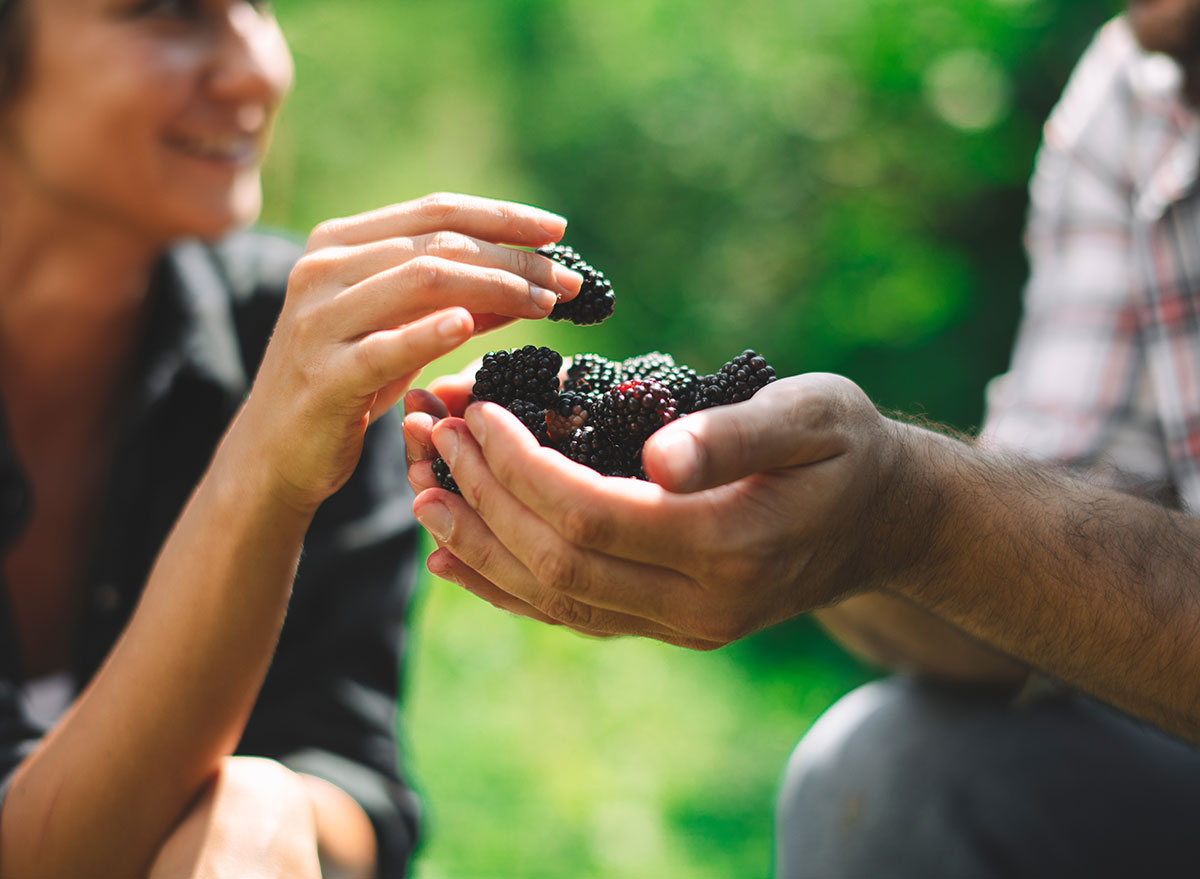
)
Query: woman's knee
[{"x": 253, "y": 814}]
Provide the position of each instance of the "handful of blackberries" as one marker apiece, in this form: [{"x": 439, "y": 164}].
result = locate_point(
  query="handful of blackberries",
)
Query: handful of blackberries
[{"x": 604, "y": 410}]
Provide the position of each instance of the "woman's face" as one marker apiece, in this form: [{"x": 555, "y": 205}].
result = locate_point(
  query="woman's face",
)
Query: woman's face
[
  {"x": 1170, "y": 26},
  {"x": 150, "y": 114}
]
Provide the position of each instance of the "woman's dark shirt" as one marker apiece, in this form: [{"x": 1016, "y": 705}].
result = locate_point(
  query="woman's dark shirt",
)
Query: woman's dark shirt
[{"x": 328, "y": 706}]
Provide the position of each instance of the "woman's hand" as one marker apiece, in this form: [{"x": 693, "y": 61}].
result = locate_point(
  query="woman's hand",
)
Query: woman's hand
[
  {"x": 758, "y": 511},
  {"x": 374, "y": 299}
]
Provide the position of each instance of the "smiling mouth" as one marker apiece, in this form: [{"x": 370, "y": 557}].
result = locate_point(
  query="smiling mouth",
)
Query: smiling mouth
[{"x": 225, "y": 149}]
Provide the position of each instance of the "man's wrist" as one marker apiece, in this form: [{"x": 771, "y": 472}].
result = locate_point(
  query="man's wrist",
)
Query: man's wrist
[{"x": 914, "y": 508}]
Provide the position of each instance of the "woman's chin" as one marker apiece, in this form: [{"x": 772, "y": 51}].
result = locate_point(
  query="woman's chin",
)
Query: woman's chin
[{"x": 215, "y": 221}]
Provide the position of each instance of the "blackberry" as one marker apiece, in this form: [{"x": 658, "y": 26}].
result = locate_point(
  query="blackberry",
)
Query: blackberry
[
  {"x": 591, "y": 373},
  {"x": 592, "y": 449},
  {"x": 679, "y": 381},
  {"x": 747, "y": 374},
  {"x": 595, "y": 301},
  {"x": 573, "y": 411},
  {"x": 533, "y": 416},
  {"x": 704, "y": 392},
  {"x": 528, "y": 373},
  {"x": 647, "y": 365},
  {"x": 633, "y": 410},
  {"x": 442, "y": 471}
]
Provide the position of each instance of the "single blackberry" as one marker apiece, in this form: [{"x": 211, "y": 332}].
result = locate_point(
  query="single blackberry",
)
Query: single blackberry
[
  {"x": 592, "y": 449},
  {"x": 591, "y": 373},
  {"x": 747, "y": 374},
  {"x": 442, "y": 471},
  {"x": 680, "y": 381},
  {"x": 528, "y": 373},
  {"x": 633, "y": 410},
  {"x": 704, "y": 392},
  {"x": 595, "y": 301},
  {"x": 647, "y": 365},
  {"x": 533, "y": 416},
  {"x": 573, "y": 411}
]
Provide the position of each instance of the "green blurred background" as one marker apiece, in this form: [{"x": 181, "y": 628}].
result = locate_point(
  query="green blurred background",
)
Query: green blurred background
[{"x": 838, "y": 185}]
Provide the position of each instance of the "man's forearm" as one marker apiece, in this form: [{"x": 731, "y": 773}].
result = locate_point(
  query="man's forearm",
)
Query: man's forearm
[
  {"x": 890, "y": 631},
  {"x": 1096, "y": 587}
]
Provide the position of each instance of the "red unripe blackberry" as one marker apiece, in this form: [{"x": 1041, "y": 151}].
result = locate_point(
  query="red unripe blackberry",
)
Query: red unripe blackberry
[
  {"x": 529, "y": 373},
  {"x": 594, "y": 302},
  {"x": 633, "y": 410},
  {"x": 572, "y": 411},
  {"x": 442, "y": 471}
]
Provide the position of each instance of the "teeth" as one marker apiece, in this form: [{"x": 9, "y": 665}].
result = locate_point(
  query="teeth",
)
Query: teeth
[{"x": 221, "y": 146}]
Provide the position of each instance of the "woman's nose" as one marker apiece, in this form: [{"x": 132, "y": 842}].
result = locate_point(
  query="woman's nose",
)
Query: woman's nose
[{"x": 251, "y": 62}]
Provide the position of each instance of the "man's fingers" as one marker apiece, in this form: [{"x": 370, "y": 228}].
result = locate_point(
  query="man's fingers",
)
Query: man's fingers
[
  {"x": 426, "y": 401},
  {"x": 629, "y": 518},
  {"x": 788, "y": 423},
  {"x": 572, "y": 579},
  {"x": 468, "y": 540},
  {"x": 444, "y": 564},
  {"x": 418, "y": 441},
  {"x": 455, "y": 390}
]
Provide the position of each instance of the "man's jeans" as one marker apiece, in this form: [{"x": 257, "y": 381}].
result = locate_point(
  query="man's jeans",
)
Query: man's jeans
[{"x": 909, "y": 779}]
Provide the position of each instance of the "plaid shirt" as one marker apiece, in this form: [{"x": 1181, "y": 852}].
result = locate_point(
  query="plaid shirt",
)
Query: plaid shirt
[{"x": 1106, "y": 369}]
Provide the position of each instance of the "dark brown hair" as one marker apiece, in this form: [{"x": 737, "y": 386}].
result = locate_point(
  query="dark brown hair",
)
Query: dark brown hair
[{"x": 14, "y": 45}]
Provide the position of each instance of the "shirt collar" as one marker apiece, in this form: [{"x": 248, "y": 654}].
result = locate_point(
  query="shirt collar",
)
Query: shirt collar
[
  {"x": 1157, "y": 82},
  {"x": 192, "y": 330}
]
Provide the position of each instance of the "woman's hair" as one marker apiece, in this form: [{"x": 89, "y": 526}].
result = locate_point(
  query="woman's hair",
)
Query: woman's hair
[{"x": 14, "y": 43}]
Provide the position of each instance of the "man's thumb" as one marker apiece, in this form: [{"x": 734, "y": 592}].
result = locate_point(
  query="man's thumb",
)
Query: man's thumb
[{"x": 780, "y": 426}]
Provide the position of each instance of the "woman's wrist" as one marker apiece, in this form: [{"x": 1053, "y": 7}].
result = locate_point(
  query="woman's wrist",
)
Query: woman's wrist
[{"x": 246, "y": 473}]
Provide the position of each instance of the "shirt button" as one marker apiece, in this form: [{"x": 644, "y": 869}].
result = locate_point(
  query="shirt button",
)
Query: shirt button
[
  {"x": 13, "y": 499},
  {"x": 106, "y": 598},
  {"x": 14, "y": 507}
]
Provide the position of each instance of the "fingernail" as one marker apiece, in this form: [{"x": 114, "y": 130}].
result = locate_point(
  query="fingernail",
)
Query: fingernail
[
  {"x": 447, "y": 446},
  {"x": 553, "y": 223},
  {"x": 678, "y": 450},
  {"x": 437, "y": 521},
  {"x": 476, "y": 423},
  {"x": 450, "y": 326},
  {"x": 569, "y": 281},
  {"x": 542, "y": 298}
]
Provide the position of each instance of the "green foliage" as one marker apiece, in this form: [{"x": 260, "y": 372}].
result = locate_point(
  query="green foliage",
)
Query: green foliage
[{"x": 839, "y": 185}]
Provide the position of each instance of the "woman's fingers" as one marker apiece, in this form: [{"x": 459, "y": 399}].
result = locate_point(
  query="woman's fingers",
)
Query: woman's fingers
[
  {"x": 501, "y": 222},
  {"x": 355, "y": 264},
  {"x": 379, "y": 359},
  {"x": 404, "y": 292}
]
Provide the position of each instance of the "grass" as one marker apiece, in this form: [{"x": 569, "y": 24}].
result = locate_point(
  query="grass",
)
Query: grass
[{"x": 541, "y": 753}]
